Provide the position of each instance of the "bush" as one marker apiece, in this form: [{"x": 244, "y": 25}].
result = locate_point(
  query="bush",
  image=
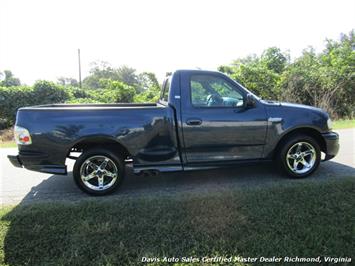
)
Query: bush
[
  {"x": 3, "y": 124},
  {"x": 43, "y": 92},
  {"x": 11, "y": 98},
  {"x": 47, "y": 92},
  {"x": 150, "y": 95},
  {"x": 114, "y": 92},
  {"x": 76, "y": 93}
]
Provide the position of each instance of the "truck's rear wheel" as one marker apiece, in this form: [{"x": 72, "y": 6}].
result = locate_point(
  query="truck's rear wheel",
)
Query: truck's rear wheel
[
  {"x": 98, "y": 171},
  {"x": 299, "y": 156}
]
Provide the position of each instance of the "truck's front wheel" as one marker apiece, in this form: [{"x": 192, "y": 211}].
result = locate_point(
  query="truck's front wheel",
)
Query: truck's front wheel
[
  {"x": 98, "y": 171},
  {"x": 300, "y": 156}
]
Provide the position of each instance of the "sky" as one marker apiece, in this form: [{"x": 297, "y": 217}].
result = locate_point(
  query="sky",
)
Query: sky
[{"x": 39, "y": 39}]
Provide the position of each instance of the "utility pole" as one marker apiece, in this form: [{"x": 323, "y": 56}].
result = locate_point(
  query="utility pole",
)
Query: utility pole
[{"x": 79, "y": 68}]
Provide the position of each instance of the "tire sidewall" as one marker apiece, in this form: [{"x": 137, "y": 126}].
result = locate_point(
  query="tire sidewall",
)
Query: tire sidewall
[
  {"x": 97, "y": 152},
  {"x": 282, "y": 160}
]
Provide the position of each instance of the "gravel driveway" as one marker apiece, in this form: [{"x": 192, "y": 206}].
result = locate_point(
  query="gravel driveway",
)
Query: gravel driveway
[{"x": 20, "y": 185}]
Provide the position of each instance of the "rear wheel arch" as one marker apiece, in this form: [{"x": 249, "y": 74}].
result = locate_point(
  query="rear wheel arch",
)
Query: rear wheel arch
[{"x": 103, "y": 142}]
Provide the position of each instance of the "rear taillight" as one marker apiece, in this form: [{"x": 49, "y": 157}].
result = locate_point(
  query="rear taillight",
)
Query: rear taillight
[{"x": 22, "y": 136}]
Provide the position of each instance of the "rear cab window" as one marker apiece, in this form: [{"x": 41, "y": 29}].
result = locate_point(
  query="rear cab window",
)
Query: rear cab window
[{"x": 166, "y": 90}]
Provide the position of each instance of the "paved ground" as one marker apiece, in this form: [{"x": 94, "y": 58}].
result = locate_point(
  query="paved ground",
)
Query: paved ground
[{"x": 20, "y": 185}]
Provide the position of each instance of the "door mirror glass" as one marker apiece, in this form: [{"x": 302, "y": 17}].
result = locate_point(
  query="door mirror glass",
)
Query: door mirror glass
[{"x": 250, "y": 101}]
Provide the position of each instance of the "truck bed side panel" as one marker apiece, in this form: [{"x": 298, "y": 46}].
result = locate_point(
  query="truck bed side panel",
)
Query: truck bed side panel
[{"x": 147, "y": 133}]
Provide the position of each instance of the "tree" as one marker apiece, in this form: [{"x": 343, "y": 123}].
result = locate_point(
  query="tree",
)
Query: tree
[
  {"x": 67, "y": 82},
  {"x": 325, "y": 80},
  {"x": 259, "y": 74},
  {"x": 127, "y": 75},
  {"x": 114, "y": 91},
  {"x": 150, "y": 88},
  {"x": 274, "y": 59},
  {"x": 148, "y": 80},
  {"x": 47, "y": 92},
  {"x": 99, "y": 70},
  {"x": 103, "y": 70},
  {"x": 9, "y": 79}
]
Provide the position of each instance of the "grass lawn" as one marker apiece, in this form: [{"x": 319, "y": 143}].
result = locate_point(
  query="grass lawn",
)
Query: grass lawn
[
  {"x": 8, "y": 144},
  {"x": 340, "y": 124},
  {"x": 306, "y": 218}
]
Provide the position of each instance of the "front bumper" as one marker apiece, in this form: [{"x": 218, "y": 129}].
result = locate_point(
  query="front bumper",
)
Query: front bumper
[
  {"x": 331, "y": 140},
  {"x": 29, "y": 163}
]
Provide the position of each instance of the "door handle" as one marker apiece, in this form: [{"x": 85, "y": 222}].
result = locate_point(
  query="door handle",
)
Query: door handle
[{"x": 193, "y": 122}]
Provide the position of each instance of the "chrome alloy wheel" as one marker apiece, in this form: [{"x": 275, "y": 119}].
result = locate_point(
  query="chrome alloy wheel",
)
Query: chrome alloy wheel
[
  {"x": 301, "y": 157},
  {"x": 98, "y": 172}
]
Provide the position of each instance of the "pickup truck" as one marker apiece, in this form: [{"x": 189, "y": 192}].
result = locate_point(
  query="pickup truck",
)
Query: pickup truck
[{"x": 203, "y": 120}]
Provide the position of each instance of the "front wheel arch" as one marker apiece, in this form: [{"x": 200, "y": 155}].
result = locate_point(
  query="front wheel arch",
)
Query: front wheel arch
[{"x": 311, "y": 132}]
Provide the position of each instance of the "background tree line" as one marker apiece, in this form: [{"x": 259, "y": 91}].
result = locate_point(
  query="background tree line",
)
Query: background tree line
[{"x": 324, "y": 79}]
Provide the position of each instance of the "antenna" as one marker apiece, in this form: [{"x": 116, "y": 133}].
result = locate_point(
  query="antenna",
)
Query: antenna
[{"x": 79, "y": 68}]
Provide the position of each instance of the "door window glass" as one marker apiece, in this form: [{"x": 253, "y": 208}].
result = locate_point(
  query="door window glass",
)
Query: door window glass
[{"x": 212, "y": 91}]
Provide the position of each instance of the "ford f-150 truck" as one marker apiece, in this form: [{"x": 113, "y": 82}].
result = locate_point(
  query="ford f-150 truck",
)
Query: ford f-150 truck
[{"x": 203, "y": 120}]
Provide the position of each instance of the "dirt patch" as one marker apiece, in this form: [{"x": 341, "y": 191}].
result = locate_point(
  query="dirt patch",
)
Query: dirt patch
[{"x": 7, "y": 134}]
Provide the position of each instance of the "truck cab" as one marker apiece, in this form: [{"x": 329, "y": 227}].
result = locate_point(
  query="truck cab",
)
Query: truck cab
[{"x": 219, "y": 120}]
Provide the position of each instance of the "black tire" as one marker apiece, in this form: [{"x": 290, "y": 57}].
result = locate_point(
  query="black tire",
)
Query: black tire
[
  {"x": 285, "y": 148},
  {"x": 99, "y": 153}
]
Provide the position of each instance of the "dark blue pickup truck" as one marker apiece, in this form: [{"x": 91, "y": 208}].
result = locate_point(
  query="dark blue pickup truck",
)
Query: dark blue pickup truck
[{"x": 203, "y": 120}]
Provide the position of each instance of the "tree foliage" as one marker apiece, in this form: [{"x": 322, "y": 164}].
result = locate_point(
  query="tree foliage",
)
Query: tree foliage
[
  {"x": 8, "y": 79},
  {"x": 104, "y": 76},
  {"x": 259, "y": 74},
  {"x": 150, "y": 88},
  {"x": 326, "y": 79},
  {"x": 42, "y": 92},
  {"x": 64, "y": 81},
  {"x": 103, "y": 70}
]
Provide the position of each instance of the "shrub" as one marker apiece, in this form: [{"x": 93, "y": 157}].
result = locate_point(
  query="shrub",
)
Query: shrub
[
  {"x": 47, "y": 92},
  {"x": 76, "y": 93},
  {"x": 43, "y": 92},
  {"x": 11, "y": 98}
]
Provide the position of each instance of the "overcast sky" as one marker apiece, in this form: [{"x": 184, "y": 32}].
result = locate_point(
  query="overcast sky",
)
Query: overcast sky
[{"x": 39, "y": 39}]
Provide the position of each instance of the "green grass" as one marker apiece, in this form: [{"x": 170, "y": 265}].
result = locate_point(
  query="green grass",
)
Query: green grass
[
  {"x": 341, "y": 124},
  {"x": 306, "y": 218},
  {"x": 8, "y": 144}
]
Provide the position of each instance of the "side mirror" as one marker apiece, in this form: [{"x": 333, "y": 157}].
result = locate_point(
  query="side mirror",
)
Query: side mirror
[{"x": 250, "y": 101}]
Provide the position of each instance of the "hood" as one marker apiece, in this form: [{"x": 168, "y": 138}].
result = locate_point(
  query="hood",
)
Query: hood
[
  {"x": 293, "y": 105},
  {"x": 303, "y": 106}
]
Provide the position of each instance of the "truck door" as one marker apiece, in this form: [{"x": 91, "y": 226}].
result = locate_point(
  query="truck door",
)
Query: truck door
[{"x": 217, "y": 127}]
